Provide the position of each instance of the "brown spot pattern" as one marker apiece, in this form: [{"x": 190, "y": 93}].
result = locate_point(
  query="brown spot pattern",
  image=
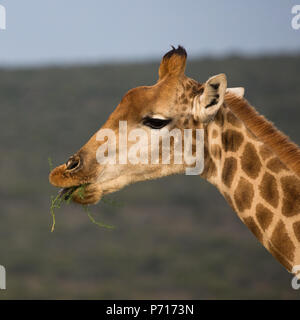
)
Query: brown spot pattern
[
  {"x": 232, "y": 140},
  {"x": 268, "y": 189},
  {"x": 195, "y": 122},
  {"x": 212, "y": 170},
  {"x": 265, "y": 153},
  {"x": 264, "y": 216},
  {"x": 229, "y": 170},
  {"x": 243, "y": 195},
  {"x": 296, "y": 227},
  {"x": 251, "y": 224},
  {"x": 232, "y": 119},
  {"x": 282, "y": 242},
  {"x": 219, "y": 118},
  {"x": 276, "y": 165},
  {"x": 216, "y": 151},
  {"x": 250, "y": 161},
  {"x": 214, "y": 134},
  {"x": 291, "y": 196}
]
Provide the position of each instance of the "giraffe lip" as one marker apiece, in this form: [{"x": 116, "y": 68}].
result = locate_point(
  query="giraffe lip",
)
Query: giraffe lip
[{"x": 65, "y": 193}]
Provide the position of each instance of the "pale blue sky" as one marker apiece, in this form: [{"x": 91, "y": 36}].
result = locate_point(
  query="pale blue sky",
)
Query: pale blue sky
[{"x": 59, "y": 31}]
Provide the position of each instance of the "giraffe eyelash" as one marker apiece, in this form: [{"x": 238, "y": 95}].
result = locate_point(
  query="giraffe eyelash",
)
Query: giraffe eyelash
[{"x": 155, "y": 123}]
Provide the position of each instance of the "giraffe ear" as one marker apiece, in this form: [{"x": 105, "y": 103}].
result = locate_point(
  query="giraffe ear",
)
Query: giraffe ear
[
  {"x": 173, "y": 63},
  {"x": 207, "y": 104},
  {"x": 239, "y": 91}
]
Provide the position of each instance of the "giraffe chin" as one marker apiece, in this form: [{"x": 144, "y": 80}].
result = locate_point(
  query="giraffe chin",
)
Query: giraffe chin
[{"x": 82, "y": 194}]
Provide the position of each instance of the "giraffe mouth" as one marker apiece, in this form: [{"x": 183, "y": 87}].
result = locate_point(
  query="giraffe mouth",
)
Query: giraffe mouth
[
  {"x": 87, "y": 193},
  {"x": 71, "y": 193},
  {"x": 66, "y": 193}
]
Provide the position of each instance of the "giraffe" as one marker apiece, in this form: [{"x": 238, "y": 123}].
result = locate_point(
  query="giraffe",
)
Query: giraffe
[{"x": 254, "y": 165}]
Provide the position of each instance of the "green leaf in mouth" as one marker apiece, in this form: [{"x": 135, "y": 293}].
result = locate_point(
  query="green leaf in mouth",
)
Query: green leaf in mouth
[{"x": 65, "y": 196}]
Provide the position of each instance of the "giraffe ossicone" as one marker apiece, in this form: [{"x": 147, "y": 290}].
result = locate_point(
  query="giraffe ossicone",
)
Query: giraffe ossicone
[{"x": 255, "y": 166}]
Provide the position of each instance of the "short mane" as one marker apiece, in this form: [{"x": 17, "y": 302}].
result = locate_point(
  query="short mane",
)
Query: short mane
[{"x": 286, "y": 150}]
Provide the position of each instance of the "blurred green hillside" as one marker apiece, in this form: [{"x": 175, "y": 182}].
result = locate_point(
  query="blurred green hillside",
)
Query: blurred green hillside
[{"x": 174, "y": 238}]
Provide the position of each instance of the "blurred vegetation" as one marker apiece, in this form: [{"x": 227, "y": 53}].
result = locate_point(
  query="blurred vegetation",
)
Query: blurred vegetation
[{"x": 174, "y": 238}]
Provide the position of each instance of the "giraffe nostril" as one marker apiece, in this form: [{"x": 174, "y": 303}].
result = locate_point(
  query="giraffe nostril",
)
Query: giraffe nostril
[{"x": 73, "y": 163}]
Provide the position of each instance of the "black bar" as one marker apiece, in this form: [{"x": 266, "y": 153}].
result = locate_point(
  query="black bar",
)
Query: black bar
[{"x": 150, "y": 309}]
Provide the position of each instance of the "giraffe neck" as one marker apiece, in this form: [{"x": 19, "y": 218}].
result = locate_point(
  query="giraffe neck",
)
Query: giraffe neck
[{"x": 259, "y": 187}]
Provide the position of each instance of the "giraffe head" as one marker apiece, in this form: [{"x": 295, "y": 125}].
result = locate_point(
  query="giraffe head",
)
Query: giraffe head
[{"x": 175, "y": 101}]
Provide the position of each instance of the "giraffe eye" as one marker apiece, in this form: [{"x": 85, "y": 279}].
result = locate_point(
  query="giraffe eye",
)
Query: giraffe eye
[
  {"x": 72, "y": 163},
  {"x": 155, "y": 123}
]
